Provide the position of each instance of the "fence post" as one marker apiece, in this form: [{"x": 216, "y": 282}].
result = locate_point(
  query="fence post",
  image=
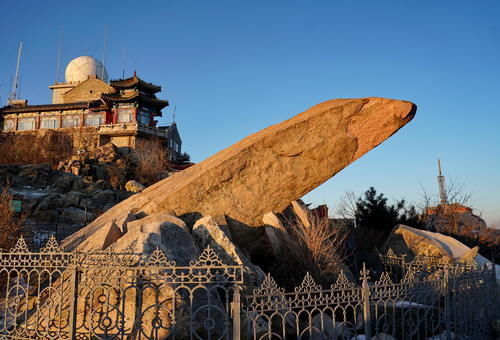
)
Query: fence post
[
  {"x": 74, "y": 302},
  {"x": 447, "y": 301},
  {"x": 236, "y": 313},
  {"x": 365, "y": 289}
]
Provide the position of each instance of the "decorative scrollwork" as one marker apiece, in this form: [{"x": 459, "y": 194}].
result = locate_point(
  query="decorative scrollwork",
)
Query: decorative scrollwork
[
  {"x": 410, "y": 275},
  {"x": 268, "y": 287},
  {"x": 207, "y": 258},
  {"x": 307, "y": 285},
  {"x": 343, "y": 282},
  {"x": 159, "y": 259},
  {"x": 52, "y": 246},
  {"x": 385, "y": 279},
  {"x": 20, "y": 246},
  {"x": 390, "y": 252}
]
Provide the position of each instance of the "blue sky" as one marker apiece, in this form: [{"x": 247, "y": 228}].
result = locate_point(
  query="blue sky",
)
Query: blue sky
[{"x": 234, "y": 67}]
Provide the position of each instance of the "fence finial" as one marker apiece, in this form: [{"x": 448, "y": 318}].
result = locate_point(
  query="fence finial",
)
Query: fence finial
[{"x": 20, "y": 246}]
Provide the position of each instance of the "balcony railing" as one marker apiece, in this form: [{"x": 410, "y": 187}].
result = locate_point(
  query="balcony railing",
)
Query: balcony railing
[{"x": 131, "y": 128}]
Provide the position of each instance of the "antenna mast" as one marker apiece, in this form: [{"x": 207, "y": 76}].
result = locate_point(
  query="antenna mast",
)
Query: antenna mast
[
  {"x": 175, "y": 109},
  {"x": 59, "y": 56},
  {"x": 15, "y": 83},
  {"x": 124, "y": 62},
  {"x": 104, "y": 51},
  {"x": 442, "y": 187}
]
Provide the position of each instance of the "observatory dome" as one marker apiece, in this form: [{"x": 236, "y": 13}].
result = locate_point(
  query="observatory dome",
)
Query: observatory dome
[{"x": 79, "y": 69}]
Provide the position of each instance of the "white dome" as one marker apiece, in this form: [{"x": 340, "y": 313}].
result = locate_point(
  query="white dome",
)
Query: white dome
[{"x": 79, "y": 69}]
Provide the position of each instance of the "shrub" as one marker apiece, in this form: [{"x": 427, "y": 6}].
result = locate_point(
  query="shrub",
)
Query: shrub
[
  {"x": 10, "y": 224},
  {"x": 152, "y": 159},
  {"x": 49, "y": 147},
  {"x": 319, "y": 249}
]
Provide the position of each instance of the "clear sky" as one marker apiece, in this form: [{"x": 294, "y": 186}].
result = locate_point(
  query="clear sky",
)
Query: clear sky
[{"x": 234, "y": 67}]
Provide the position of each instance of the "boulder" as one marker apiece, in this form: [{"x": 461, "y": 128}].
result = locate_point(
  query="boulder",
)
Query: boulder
[
  {"x": 413, "y": 242},
  {"x": 165, "y": 232},
  {"x": 73, "y": 198},
  {"x": 64, "y": 183},
  {"x": 107, "y": 153},
  {"x": 301, "y": 213},
  {"x": 51, "y": 201},
  {"x": 76, "y": 216},
  {"x": 134, "y": 186},
  {"x": 103, "y": 198},
  {"x": 101, "y": 240},
  {"x": 275, "y": 232},
  {"x": 269, "y": 169},
  {"x": 207, "y": 232}
]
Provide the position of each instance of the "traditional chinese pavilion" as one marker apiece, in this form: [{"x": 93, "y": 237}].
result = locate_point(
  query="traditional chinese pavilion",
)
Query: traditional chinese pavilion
[{"x": 122, "y": 111}]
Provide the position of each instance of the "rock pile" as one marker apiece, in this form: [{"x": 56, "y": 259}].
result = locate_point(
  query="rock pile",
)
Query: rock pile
[
  {"x": 106, "y": 162},
  {"x": 52, "y": 196}
]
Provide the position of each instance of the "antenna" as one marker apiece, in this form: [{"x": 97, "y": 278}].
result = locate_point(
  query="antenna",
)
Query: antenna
[
  {"x": 124, "y": 62},
  {"x": 104, "y": 51},
  {"x": 175, "y": 109},
  {"x": 442, "y": 187},
  {"x": 59, "y": 56},
  {"x": 15, "y": 83}
]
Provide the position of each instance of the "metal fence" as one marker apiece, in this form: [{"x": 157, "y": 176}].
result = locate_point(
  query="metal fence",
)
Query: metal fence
[
  {"x": 53, "y": 294},
  {"x": 422, "y": 299},
  {"x": 57, "y": 295}
]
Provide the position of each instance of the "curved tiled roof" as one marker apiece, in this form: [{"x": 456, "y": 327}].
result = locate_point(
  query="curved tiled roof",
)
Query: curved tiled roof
[
  {"x": 135, "y": 96},
  {"x": 51, "y": 107},
  {"x": 135, "y": 81}
]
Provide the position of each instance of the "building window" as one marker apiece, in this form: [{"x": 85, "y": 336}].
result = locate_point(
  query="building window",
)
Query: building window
[
  {"x": 26, "y": 124},
  {"x": 49, "y": 123},
  {"x": 70, "y": 121},
  {"x": 93, "y": 120},
  {"x": 144, "y": 118},
  {"x": 125, "y": 115},
  {"x": 9, "y": 124}
]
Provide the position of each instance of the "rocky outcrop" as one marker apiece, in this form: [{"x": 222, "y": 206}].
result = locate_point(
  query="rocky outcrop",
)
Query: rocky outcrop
[
  {"x": 51, "y": 196},
  {"x": 268, "y": 169}
]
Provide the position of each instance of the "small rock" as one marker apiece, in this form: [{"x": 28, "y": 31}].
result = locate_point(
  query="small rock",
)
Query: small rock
[{"x": 134, "y": 186}]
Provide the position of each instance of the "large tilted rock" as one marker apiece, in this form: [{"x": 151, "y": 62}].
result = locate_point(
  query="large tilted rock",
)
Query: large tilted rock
[{"x": 269, "y": 169}]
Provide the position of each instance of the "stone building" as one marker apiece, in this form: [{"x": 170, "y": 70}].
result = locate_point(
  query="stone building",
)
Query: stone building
[{"x": 94, "y": 111}]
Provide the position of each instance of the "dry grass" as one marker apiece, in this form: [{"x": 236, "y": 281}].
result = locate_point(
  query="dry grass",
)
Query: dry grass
[
  {"x": 50, "y": 147},
  {"x": 10, "y": 224},
  {"x": 152, "y": 158},
  {"x": 319, "y": 249}
]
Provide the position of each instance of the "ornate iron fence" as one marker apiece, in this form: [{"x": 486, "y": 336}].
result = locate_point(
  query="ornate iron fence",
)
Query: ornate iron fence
[
  {"x": 53, "y": 294},
  {"x": 57, "y": 295},
  {"x": 440, "y": 304}
]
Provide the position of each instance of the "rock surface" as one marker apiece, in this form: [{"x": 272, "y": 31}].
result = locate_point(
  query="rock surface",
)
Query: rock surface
[{"x": 270, "y": 168}]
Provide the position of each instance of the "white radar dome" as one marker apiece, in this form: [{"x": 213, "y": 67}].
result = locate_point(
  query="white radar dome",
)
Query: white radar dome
[{"x": 79, "y": 69}]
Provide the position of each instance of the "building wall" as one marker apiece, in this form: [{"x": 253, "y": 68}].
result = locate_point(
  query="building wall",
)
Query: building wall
[{"x": 90, "y": 89}]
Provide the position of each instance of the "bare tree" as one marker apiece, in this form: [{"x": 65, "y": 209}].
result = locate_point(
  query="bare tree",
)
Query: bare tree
[{"x": 346, "y": 208}]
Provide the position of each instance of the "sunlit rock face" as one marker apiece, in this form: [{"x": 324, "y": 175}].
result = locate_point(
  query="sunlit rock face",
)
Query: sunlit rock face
[{"x": 267, "y": 170}]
